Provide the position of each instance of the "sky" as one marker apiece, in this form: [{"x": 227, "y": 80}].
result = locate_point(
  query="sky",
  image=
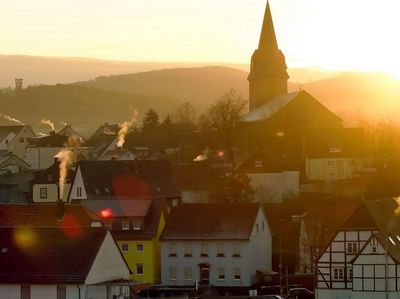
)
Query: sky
[{"x": 333, "y": 35}]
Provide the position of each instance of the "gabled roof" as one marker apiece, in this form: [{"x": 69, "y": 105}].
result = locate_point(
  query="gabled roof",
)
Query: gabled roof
[
  {"x": 68, "y": 131},
  {"x": 105, "y": 131},
  {"x": 150, "y": 226},
  {"x": 322, "y": 222},
  {"x": 51, "y": 175},
  {"x": 211, "y": 222},
  {"x": 39, "y": 215},
  {"x": 360, "y": 219},
  {"x": 48, "y": 255},
  {"x": 260, "y": 162},
  {"x": 119, "y": 208},
  {"x": 7, "y": 158},
  {"x": 270, "y": 108},
  {"x": 52, "y": 140},
  {"x": 128, "y": 179},
  {"x": 15, "y": 129},
  {"x": 385, "y": 214}
]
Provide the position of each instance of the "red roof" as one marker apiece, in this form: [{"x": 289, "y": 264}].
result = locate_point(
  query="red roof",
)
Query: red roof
[{"x": 45, "y": 215}]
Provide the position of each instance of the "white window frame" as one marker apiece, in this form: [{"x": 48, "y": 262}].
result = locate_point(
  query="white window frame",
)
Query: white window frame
[
  {"x": 172, "y": 273},
  {"x": 188, "y": 273},
  {"x": 188, "y": 250},
  {"x": 137, "y": 225},
  {"x": 123, "y": 245},
  {"x": 204, "y": 250},
  {"x": 236, "y": 250},
  {"x": 78, "y": 191},
  {"x": 220, "y": 250},
  {"x": 125, "y": 224},
  {"x": 43, "y": 192},
  {"x": 351, "y": 248},
  {"x": 236, "y": 274},
  {"x": 172, "y": 250},
  {"x": 337, "y": 274},
  {"x": 221, "y": 274}
]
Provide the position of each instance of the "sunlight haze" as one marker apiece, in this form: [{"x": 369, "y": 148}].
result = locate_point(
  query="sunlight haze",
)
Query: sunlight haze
[{"x": 332, "y": 35}]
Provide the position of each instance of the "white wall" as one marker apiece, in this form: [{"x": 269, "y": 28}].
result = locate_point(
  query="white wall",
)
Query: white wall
[
  {"x": 109, "y": 263},
  {"x": 10, "y": 291},
  {"x": 41, "y": 157},
  {"x": 77, "y": 183},
  {"x": 193, "y": 196}
]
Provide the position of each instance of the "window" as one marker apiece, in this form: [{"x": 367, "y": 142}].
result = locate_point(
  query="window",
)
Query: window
[
  {"x": 336, "y": 149},
  {"x": 188, "y": 249},
  {"x": 236, "y": 273},
  {"x": 125, "y": 224},
  {"x": 61, "y": 292},
  {"x": 172, "y": 249},
  {"x": 25, "y": 292},
  {"x": 204, "y": 250},
  {"x": 137, "y": 225},
  {"x": 188, "y": 273},
  {"x": 221, "y": 273},
  {"x": 139, "y": 247},
  {"x": 331, "y": 162},
  {"x": 43, "y": 192},
  {"x": 349, "y": 274},
  {"x": 258, "y": 163},
  {"x": 338, "y": 274},
  {"x": 236, "y": 250},
  {"x": 352, "y": 247},
  {"x": 21, "y": 139},
  {"x": 257, "y": 228},
  {"x": 125, "y": 247},
  {"x": 221, "y": 250},
  {"x": 139, "y": 269},
  {"x": 172, "y": 273},
  {"x": 263, "y": 226},
  {"x": 79, "y": 191}
]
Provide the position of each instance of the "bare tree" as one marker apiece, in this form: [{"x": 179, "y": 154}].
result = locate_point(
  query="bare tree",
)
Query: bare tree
[
  {"x": 224, "y": 114},
  {"x": 185, "y": 114}
]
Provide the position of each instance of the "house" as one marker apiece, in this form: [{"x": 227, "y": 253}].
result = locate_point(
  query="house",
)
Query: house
[
  {"x": 41, "y": 151},
  {"x": 103, "y": 140},
  {"x": 136, "y": 226},
  {"x": 15, "y": 139},
  {"x": 335, "y": 154},
  {"x": 68, "y": 217},
  {"x": 318, "y": 226},
  {"x": 223, "y": 245},
  {"x": 46, "y": 184},
  {"x": 44, "y": 262},
  {"x": 15, "y": 187},
  {"x": 70, "y": 132},
  {"x": 376, "y": 268},
  {"x": 119, "y": 179},
  {"x": 118, "y": 154},
  {"x": 271, "y": 179},
  {"x": 11, "y": 163},
  {"x": 334, "y": 263}
]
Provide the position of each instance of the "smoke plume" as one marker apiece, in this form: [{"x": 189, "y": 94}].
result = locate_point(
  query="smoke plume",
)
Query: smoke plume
[
  {"x": 107, "y": 131},
  {"x": 10, "y": 118},
  {"x": 125, "y": 127},
  {"x": 47, "y": 122},
  {"x": 66, "y": 158}
]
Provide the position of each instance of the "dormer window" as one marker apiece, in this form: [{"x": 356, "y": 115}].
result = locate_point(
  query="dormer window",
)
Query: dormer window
[
  {"x": 258, "y": 163},
  {"x": 335, "y": 149},
  {"x": 125, "y": 224},
  {"x": 137, "y": 225}
]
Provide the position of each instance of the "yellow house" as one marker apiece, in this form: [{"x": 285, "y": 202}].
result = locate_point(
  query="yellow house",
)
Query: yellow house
[{"x": 136, "y": 225}]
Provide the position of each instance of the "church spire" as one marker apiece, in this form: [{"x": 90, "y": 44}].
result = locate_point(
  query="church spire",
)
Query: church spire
[
  {"x": 268, "y": 76},
  {"x": 267, "y": 37}
]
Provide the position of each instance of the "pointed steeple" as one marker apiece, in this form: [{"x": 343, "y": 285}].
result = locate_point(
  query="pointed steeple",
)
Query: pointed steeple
[
  {"x": 268, "y": 76},
  {"x": 267, "y": 37}
]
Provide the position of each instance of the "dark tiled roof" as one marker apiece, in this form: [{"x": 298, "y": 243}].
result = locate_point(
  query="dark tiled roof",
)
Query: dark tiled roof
[
  {"x": 335, "y": 142},
  {"x": 150, "y": 226},
  {"x": 194, "y": 176},
  {"x": 14, "y": 129},
  {"x": 128, "y": 179},
  {"x": 383, "y": 213},
  {"x": 51, "y": 175},
  {"x": 211, "y": 221},
  {"x": 360, "y": 220},
  {"x": 48, "y": 255},
  {"x": 105, "y": 131},
  {"x": 323, "y": 221},
  {"x": 37, "y": 215},
  {"x": 52, "y": 140}
]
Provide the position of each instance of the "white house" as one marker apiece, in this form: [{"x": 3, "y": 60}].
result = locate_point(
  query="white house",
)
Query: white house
[
  {"x": 334, "y": 267},
  {"x": 271, "y": 180},
  {"x": 48, "y": 263},
  {"x": 15, "y": 139},
  {"x": 215, "y": 244}
]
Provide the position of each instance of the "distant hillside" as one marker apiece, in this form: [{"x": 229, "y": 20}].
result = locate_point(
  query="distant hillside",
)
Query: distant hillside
[
  {"x": 85, "y": 108},
  {"x": 200, "y": 85},
  {"x": 358, "y": 95}
]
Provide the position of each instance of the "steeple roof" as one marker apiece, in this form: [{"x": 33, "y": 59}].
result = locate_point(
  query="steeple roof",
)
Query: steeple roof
[{"x": 267, "y": 37}]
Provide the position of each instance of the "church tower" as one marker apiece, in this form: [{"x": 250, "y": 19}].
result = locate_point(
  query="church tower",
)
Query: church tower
[{"x": 268, "y": 76}]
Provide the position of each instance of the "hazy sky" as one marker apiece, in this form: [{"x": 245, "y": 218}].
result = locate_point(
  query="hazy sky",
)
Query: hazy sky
[{"x": 340, "y": 34}]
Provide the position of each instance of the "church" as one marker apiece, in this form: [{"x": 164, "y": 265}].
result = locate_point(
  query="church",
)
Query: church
[{"x": 279, "y": 122}]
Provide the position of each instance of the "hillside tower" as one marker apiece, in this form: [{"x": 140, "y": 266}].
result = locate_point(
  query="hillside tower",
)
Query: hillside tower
[{"x": 268, "y": 76}]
